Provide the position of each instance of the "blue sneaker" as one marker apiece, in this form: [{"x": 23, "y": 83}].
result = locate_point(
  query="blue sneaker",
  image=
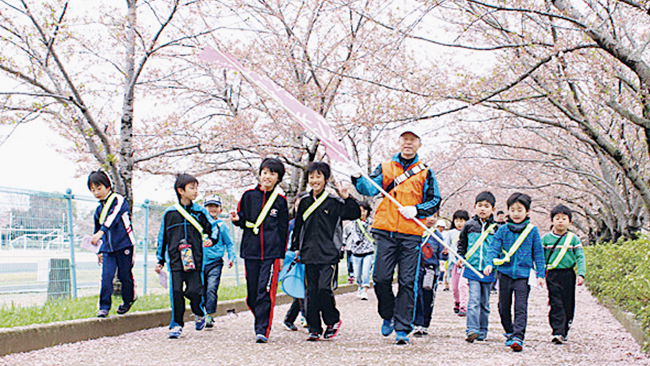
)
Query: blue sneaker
[
  {"x": 261, "y": 338},
  {"x": 517, "y": 345},
  {"x": 387, "y": 328},
  {"x": 199, "y": 322},
  {"x": 509, "y": 339},
  {"x": 175, "y": 332},
  {"x": 402, "y": 337}
]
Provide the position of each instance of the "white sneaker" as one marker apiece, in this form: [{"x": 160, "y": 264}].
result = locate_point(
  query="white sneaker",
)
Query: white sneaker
[
  {"x": 557, "y": 339},
  {"x": 364, "y": 295}
]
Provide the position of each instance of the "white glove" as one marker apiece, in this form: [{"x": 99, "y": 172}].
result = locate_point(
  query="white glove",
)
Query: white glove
[
  {"x": 408, "y": 212},
  {"x": 354, "y": 170}
]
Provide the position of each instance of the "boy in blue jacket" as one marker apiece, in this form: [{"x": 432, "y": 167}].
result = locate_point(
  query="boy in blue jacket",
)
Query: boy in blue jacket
[
  {"x": 113, "y": 227},
  {"x": 515, "y": 250},
  {"x": 263, "y": 215},
  {"x": 213, "y": 257},
  {"x": 184, "y": 230}
]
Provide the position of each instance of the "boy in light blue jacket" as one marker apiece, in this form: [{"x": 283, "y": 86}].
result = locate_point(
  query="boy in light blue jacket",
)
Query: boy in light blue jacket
[
  {"x": 213, "y": 257},
  {"x": 516, "y": 249}
]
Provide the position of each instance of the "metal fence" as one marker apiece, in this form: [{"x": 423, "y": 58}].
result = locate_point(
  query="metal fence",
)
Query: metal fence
[{"x": 40, "y": 254}]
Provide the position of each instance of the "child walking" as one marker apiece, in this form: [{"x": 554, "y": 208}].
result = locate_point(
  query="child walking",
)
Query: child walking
[
  {"x": 213, "y": 257},
  {"x": 318, "y": 217},
  {"x": 113, "y": 227},
  {"x": 184, "y": 230},
  {"x": 263, "y": 215},
  {"x": 459, "y": 285},
  {"x": 356, "y": 236},
  {"x": 563, "y": 252},
  {"x": 520, "y": 241},
  {"x": 473, "y": 243}
]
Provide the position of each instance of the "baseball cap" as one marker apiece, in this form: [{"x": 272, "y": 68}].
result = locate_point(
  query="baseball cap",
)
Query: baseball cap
[
  {"x": 442, "y": 223},
  {"x": 212, "y": 199}
]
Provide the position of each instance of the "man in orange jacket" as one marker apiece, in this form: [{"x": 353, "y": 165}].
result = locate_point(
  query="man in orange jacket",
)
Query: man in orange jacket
[{"x": 397, "y": 235}]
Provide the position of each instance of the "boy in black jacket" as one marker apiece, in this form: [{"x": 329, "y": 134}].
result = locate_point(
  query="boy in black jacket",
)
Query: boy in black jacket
[
  {"x": 263, "y": 215},
  {"x": 184, "y": 231},
  {"x": 317, "y": 219}
]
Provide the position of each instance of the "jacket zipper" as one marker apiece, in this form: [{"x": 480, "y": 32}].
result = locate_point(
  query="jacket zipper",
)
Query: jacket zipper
[{"x": 262, "y": 227}]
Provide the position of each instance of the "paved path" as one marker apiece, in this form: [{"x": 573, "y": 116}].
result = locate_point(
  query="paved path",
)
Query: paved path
[{"x": 596, "y": 339}]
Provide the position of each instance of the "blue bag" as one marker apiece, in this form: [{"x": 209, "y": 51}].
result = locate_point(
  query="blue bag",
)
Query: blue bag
[{"x": 293, "y": 277}]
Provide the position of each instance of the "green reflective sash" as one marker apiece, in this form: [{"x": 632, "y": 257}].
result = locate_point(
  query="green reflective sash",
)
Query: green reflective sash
[
  {"x": 364, "y": 232},
  {"x": 314, "y": 206},
  {"x": 565, "y": 248},
  {"x": 109, "y": 202},
  {"x": 479, "y": 241},
  {"x": 263, "y": 213},
  {"x": 191, "y": 219},
  {"x": 515, "y": 246}
]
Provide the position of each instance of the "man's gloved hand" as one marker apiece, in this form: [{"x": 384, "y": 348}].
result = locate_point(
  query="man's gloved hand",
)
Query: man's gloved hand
[
  {"x": 354, "y": 170},
  {"x": 408, "y": 211}
]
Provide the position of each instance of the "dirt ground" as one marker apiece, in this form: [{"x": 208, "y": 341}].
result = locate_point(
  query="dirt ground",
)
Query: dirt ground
[{"x": 595, "y": 339}]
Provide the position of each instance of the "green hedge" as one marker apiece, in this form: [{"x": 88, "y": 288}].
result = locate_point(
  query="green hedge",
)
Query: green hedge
[{"x": 620, "y": 273}]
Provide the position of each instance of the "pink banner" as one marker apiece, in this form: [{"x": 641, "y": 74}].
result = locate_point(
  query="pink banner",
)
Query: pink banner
[{"x": 308, "y": 118}]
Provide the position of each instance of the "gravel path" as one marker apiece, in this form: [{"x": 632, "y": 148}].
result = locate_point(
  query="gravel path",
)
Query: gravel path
[{"x": 596, "y": 339}]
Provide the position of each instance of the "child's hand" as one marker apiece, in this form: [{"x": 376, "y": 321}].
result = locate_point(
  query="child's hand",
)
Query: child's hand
[
  {"x": 297, "y": 260},
  {"x": 95, "y": 238},
  {"x": 580, "y": 280},
  {"x": 445, "y": 251},
  {"x": 230, "y": 264},
  {"x": 158, "y": 268},
  {"x": 343, "y": 190},
  {"x": 100, "y": 258},
  {"x": 540, "y": 282},
  {"x": 208, "y": 243},
  {"x": 234, "y": 216},
  {"x": 487, "y": 270}
]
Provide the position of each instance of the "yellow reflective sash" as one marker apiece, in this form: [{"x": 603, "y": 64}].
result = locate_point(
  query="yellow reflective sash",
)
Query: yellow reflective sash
[
  {"x": 479, "y": 241},
  {"x": 515, "y": 246},
  {"x": 314, "y": 206},
  {"x": 109, "y": 201},
  {"x": 263, "y": 213},
  {"x": 364, "y": 232},
  {"x": 191, "y": 219},
  {"x": 565, "y": 248}
]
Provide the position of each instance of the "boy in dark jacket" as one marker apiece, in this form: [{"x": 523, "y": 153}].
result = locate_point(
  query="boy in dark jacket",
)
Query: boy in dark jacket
[
  {"x": 184, "y": 231},
  {"x": 263, "y": 215},
  {"x": 113, "y": 228},
  {"x": 318, "y": 217}
]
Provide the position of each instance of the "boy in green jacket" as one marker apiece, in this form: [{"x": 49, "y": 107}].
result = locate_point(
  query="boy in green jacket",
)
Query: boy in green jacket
[{"x": 562, "y": 251}]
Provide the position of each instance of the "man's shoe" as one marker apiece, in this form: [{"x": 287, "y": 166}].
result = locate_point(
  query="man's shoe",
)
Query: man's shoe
[
  {"x": 471, "y": 337},
  {"x": 124, "y": 308},
  {"x": 416, "y": 331},
  {"x": 313, "y": 337},
  {"x": 401, "y": 337},
  {"x": 557, "y": 339},
  {"x": 102, "y": 313},
  {"x": 517, "y": 345},
  {"x": 209, "y": 321},
  {"x": 387, "y": 327},
  {"x": 332, "y": 330},
  {"x": 199, "y": 322},
  {"x": 175, "y": 332},
  {"x": 290, "y": 326},
  {"x": 261, "y": 338}
]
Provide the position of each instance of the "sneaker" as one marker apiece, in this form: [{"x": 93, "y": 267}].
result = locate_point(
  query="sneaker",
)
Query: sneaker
[
  {"x": 124, "y": 308},
  {"x": 462, "y": 312},
  {"x": 364, "y": 295},
  {"x": 445, "y": 289},
  {"x": 481, "y": 338},
  {"x": 565, "y": 338},
  {"x": 417, "y": 331},
  {"x": 387, "y": 327},
  {"x": 303, "y": 322},
  {"x": 175, "y": 332},
  {"x": 313, "y": 337},
  {"x": 351, "y": 279},
  {"x": 401, "y": 337},
  {"x": 471, "y": 337},
  {"x": 456, "y": 307},
  {"x": 557, "y": 339},
  {"x": 517, "y": 345},
  {"x": 332, "y": 330},
  {"x": 290, "y": 326},
  {"x": 209, "y": 321},
  {"x": 261, "y": 338},
  {"x": 509, "y": 339},
  {"x": 102, "y": 313},
  {"x": 199, "y": 322},
  {"x": 424, "y": 331}
]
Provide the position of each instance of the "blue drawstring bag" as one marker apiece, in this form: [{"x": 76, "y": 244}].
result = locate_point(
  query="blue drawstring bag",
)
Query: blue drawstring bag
[{"x": 293, "y": 276}]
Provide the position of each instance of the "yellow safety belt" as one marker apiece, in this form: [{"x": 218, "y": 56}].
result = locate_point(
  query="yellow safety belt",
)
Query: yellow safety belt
[
  {"x": 565, "y": 248},
  {"x": 191, "y": 219},
  {"x": 263, "y": 213},
  {"x": 314, "y": 206},
  {"x": 479, "y": 241},
  {"x": 515, "y": 246},
  {"x": 364, "y": 232},
  {"x": 109, "y": 202}
]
